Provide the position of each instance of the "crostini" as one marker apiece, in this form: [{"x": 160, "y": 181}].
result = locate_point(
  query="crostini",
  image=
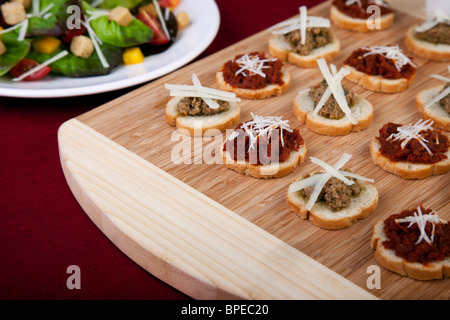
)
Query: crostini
[
  {"x": 264, "y": 147},
  {"x": 198, "y": 110},
  {"x": 333, "y": 198},
  {"x": 357, "y": 15},
  {"x": 330, "y": 108},
  {"x": 414, "y": 151},
  {"x": 434, "y": 103},
  {"x": 254, "y": 76},
  {"x": 413, "y": 243},
  {"x": 431, "y": 40},
  {"x": 381, "y": 68},
  {"x": 301, "y": 41}
]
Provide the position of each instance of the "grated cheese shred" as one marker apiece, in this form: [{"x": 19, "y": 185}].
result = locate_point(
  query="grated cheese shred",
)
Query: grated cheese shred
[
  {"x": 421, "y": 221},
  {"x": 253, "y": 64},
  {"x": 412, "y": 131},
  {"x": 262, "y": 126},
  {"x": 391, "y": 52}
]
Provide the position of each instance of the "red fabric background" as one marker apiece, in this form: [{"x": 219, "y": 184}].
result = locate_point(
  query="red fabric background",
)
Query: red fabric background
[{"x": 43, "y": 228}]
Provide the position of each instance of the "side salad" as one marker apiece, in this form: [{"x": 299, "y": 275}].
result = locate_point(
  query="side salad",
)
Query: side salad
[{"x": 77, "y": 38}]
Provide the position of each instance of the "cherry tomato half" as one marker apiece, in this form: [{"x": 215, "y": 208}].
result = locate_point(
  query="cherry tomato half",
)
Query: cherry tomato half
[
  {"x": 159, "y": 37},
  {"x": 27, "y": 64}
]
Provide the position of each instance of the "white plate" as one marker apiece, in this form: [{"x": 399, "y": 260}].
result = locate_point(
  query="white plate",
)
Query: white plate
[{"x": 191, "y": 42}]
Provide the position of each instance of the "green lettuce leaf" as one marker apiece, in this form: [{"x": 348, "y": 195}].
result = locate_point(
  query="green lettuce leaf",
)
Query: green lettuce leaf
[
  {"x": 16, "y": 51},
  {"x": 73, "y": 66},
  {"x": 112, "y": 33}
]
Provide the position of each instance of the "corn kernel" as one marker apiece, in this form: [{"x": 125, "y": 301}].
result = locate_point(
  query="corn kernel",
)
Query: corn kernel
[{"x": 133, "y": 56}]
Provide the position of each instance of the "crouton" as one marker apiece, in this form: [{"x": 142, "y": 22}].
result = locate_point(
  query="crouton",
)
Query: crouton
[
  {"x": 13, "y": 12},
  {"x": 82, "y": 47},
  {"x": 26, "y": 3},
  {"x": 121, "y": 15}
]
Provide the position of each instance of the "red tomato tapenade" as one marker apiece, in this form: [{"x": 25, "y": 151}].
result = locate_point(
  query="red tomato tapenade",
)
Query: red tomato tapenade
[
  {"x": 402, "y": 239},
  {"x": 413, "y": 151},
  {"x": 249, "y": 80},
  {"x": 239, "y": 148},
  {"x": 360, "y": 12},
  {"x": 379, "y": 65}
]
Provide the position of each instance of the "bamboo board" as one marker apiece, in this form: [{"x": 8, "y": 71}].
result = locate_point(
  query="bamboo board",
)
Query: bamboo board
[{"x": 215, "y": 234}]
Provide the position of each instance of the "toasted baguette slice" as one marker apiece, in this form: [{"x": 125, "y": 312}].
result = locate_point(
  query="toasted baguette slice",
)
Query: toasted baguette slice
[
  {"x": 360, "y": 208},
  {"x": 415, "y": 270},
  {"x": 281, "y": 49},
  {"x": 202, "y": 125},
  {"x": 268, "y": 91},
  {"x": 304, "y": 107},
  {"x": 346, "y": 22},
  {"x": 435, "y": 112},
  {"x": 267, "y": 171},
  {"x": 407, "y": 170},
  {"x": 427, "y": 50},
  {"x": 378, "y": 83}
]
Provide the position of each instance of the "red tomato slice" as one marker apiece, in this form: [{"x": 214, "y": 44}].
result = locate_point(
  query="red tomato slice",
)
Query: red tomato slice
[
  {"x": 159, "y": 37},
  {"x": 164, "y": 3},
  {"x": 72, "y": 33},
  {"x": 27, "y": 64}
]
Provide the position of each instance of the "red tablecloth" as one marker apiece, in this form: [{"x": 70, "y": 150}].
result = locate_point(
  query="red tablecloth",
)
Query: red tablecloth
[{"x": 43, "y": 228}]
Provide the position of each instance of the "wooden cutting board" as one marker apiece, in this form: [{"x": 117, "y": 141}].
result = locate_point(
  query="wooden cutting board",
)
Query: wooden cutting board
[{"x": 215, "y": 234}]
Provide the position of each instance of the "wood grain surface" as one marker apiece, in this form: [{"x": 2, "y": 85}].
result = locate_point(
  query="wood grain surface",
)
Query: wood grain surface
[{"x": 136, "y": 122}]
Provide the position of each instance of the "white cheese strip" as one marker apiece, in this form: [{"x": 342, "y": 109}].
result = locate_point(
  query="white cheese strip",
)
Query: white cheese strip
[
  {"x": 210, "y": 102},
  {"x": 161, "y": 18},
  {"x": 334, "y": 172},
  {"x": 295, "y": 24},
  {"x": 303, "y": 22},
  {"x": 95, "y": 42},
  {"x": 352, "y": 2},
  {"x": 253, "y": 64},
  {"x": 40, "y": 66},
  {"x": 336, "y": 89},
  {"x": 439, "y": 77},
  {"x": 326, "y": 95},
  {"x": 23, "y": 30},
  {"x": 36, "y": 5},
  {"x": 433, "y": 19},
  {"x": 319, "y": 180}
]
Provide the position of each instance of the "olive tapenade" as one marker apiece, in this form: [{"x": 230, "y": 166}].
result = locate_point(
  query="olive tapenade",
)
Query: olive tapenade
[
  {"x": 239, "y": 148},
  {"x": 439, "y": 34},
  {"x": 315, "y": 38},
  {"x": 355, "y": 10},
  {"x": 403, "y": 237},
  {"x": 248, "y": 80},
  {"x": 445, "y": 102},
  {"x": 413, "y": 151},
  {"x": 336, "y": 194},
  {"x": 195, "y": 106},
  {"x": 379, "y": 65},
  {"x": 331, "y": 109}
]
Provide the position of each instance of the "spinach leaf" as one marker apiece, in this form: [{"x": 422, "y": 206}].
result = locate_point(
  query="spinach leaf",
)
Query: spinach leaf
[
  {"x": 16, "y": 51},
  {"x": 73, "y": 66},
  {"x": 112, "y": 33}
]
